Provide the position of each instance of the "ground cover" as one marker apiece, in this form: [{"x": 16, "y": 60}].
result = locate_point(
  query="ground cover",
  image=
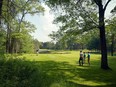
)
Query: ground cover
[{"x": 59, "y": 70}]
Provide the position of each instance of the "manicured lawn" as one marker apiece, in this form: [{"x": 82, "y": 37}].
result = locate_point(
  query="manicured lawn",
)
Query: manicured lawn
[
  {"x": 57, "y": 69},
  {"x": 62, "y": 70}
]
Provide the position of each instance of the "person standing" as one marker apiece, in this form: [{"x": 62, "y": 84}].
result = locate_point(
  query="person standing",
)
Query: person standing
[
  {"x": 88, "y": 56},
  {"x": 84, "y": 57},
  {"x": 37, "y": 52},
  {"x": 81, "y": 58}
]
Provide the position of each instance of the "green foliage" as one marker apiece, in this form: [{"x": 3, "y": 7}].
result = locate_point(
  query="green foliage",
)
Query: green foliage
[
  {"x": 18, "y": 30},
  {"x": 37, "y": 44},
  {"x": 2, "y": 40},
  {"x": 78, "y": 19},
  {"x": 16, "y": 73},
  {"x": 27, "y": 45},
  {"x": 92, "y": 40},
  {"x": 94, "y": 44},
  {"x": 47, "y": 45},
  {"x": 111, "y": 34},
  {"x": 75, "y": 18}
]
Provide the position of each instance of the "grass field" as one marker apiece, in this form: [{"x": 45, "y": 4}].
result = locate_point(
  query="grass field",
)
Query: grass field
[{"x": 63, "y": 70}]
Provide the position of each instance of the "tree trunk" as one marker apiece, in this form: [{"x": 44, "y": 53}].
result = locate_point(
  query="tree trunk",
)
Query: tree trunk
[
  {"x": 112, "y": 45},
  {"x": 8, "y": 40},
  {"x": 8, "y": 37},
  {"x": 1, "y": 7},
  {"x": 12, "y": 45},
  {"x": 1, "y": 1},
  {"x": 104, "y": 62}
]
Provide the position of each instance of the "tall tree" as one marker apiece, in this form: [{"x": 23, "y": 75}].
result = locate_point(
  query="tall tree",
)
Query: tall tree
[
  {"x": 85, "y": 14},
  {"x": 13, "y": 13},
  {"x": 104, "y": 62},
  {"x": 0, "y": 9}
]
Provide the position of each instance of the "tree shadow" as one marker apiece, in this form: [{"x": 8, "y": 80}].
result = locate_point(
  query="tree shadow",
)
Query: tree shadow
[{"x": 63, "y": 74}]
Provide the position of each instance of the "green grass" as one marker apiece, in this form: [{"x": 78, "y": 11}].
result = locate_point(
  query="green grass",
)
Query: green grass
[{"x": 63, "y": 70}]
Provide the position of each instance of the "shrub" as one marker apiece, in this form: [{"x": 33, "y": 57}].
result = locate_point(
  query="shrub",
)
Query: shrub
[{"x": 16, "y": 73}]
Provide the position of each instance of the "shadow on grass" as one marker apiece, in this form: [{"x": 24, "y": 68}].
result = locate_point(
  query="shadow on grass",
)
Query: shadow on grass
[
  {"x": 23, "y": 73},
  {"x": 62, "y": 74}
]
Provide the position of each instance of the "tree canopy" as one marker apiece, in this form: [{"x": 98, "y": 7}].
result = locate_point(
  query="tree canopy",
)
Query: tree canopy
[
  {"x": 17, "y": 29},
  {"x": 79, "y": 16}
]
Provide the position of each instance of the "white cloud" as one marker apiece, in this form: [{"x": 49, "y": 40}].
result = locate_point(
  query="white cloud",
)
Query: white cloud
[
  {"x": 43, "y": 24},
  {"x": 48, "y": 18}
]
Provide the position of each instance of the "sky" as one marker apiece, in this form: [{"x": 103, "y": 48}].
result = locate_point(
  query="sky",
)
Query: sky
[{"x": 44, "y": 23}]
